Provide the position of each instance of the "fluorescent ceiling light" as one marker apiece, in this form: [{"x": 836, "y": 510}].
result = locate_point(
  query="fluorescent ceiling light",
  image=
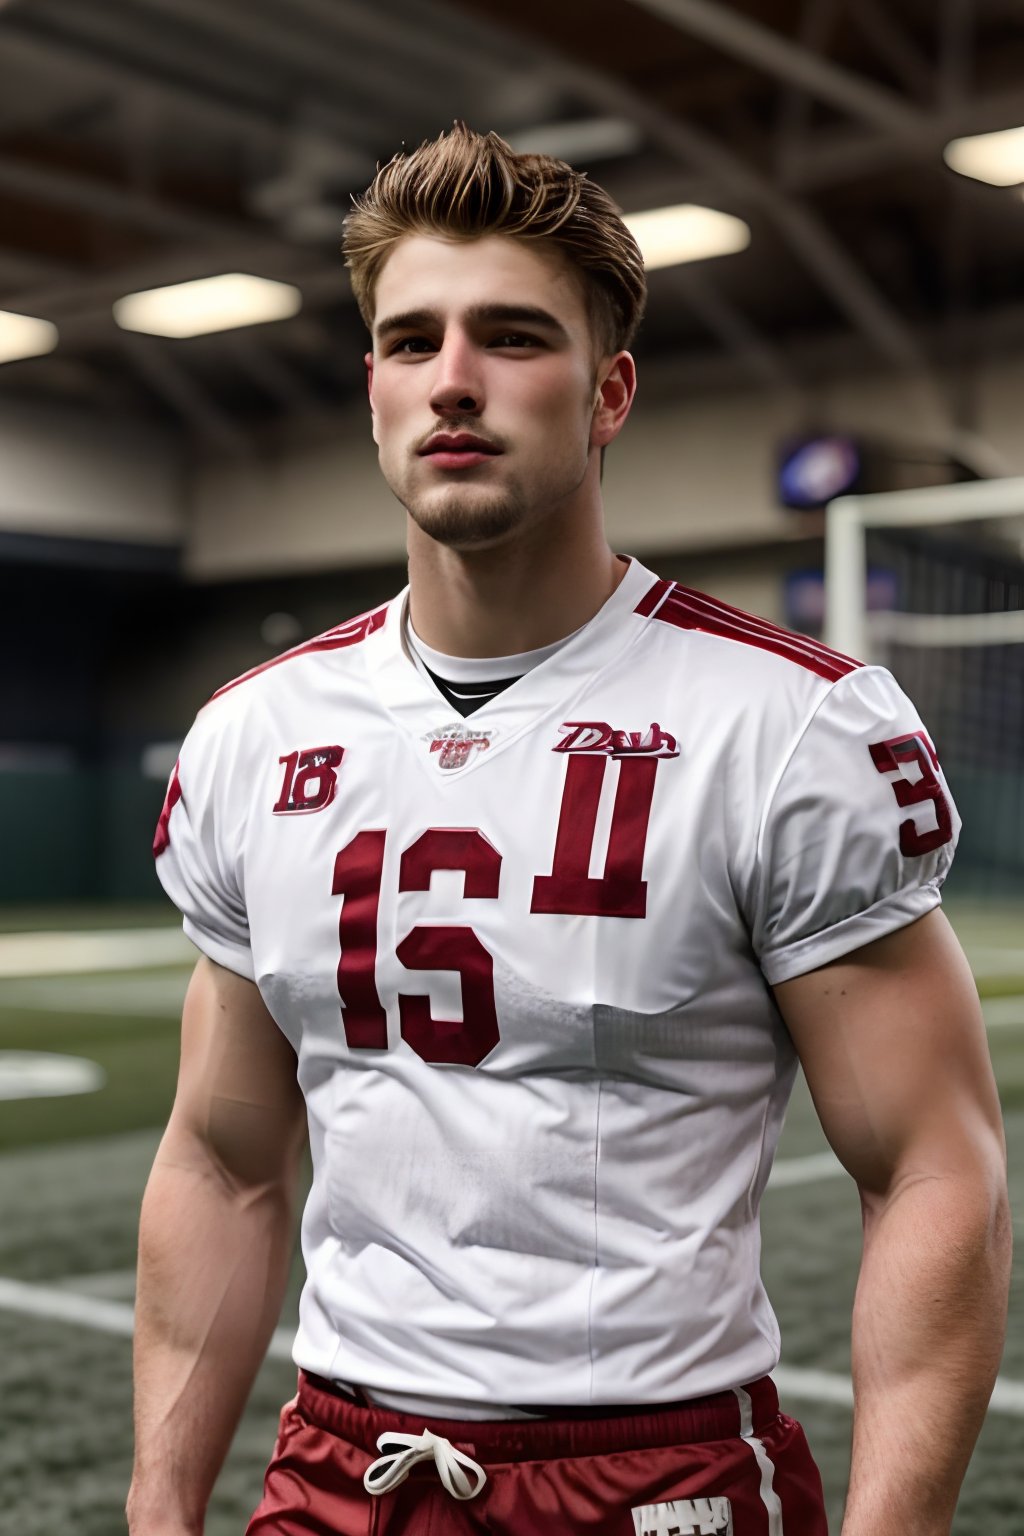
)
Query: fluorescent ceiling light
[
  {"x": 209, "y": 304},
  {"x": 686, "y": 232},
  {"x": 25, "y": 336},
  {"x": 997, "y": 158}
]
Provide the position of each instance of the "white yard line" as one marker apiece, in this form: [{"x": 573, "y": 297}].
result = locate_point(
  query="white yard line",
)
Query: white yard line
[
  {"x": 47, "y": 1075},
  {"x": 114, "y": 949},
  {"x": 999, "y": 1011},
  {"x": 156, "y": 994},
  {"x": 813, "y": 1386},
  {"x": 55, "y": 1304},
  {"x": 59, "y": 1305},
  {"x": 46, "y": 1301},
  {"x": 994, "y": 961},
  {"x": 115, "y": 1284}
]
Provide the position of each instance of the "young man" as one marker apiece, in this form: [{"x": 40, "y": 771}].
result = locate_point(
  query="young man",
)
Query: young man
[{"x": 526, "y": 891}]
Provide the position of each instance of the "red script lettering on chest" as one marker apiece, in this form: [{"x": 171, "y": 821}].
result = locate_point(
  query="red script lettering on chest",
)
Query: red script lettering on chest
[{"x": 597, "y": 736}]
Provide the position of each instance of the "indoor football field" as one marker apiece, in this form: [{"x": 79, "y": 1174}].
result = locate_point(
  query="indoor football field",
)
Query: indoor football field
[{"x": 90, "y": 1006}]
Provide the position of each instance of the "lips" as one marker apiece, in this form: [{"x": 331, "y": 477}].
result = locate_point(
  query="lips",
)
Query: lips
[{"x": 458, "y": 443}]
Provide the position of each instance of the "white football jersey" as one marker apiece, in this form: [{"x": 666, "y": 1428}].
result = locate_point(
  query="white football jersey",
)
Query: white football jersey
[{"x": 525, "y": 962}]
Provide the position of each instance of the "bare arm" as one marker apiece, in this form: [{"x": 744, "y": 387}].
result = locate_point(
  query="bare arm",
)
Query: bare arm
[
  {"x": 893, "y": 1046},
  {"x": 215, "y": 1236}
]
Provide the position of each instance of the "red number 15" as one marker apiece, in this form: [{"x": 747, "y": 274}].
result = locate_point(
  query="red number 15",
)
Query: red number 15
[{"x": 569, "y": 889}]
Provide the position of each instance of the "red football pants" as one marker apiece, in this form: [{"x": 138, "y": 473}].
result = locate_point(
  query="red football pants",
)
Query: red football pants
[{"x": 727, "y": 1465}]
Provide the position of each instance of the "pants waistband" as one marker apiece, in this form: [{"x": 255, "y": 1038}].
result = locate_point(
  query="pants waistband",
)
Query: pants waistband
[{"x": 748, "y": 1409}]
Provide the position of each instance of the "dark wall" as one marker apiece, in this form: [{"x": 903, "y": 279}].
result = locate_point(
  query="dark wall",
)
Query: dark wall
[
  {"x": 74, "y": 805},
  {"x": 107, "y": 651}
]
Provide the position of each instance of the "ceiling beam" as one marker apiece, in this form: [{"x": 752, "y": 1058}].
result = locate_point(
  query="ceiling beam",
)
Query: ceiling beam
[
  {"x": 221, "y": 110},
  {"x": 764, "y": 362},
  {"x": 123, "y": 31},
  {"x": 21, "y": 269},
  {"x": 956, "y": 51},
  {"x": 288, "y": 46},
  {"x": 170, "y": 380},
  {"x": 821, "y": 253},
  {"x": 23, "y": 51},
  {"x": 369, "y": 27},
  {"x": 268, "y": 370},
  {"x": 839, "y": 155},
  {"x": 70, "y": 292},
  {"x": 817, "y": 23},
  {"x": 767, "y": 51},
  {"x": 121, "y": 205},
  {"x": 470, "y": 37},
  {"x": 893, "y": 45}
]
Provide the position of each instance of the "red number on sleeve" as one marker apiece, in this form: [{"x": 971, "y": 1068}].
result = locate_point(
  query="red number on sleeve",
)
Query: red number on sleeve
[{"x": 890, "y": 757}]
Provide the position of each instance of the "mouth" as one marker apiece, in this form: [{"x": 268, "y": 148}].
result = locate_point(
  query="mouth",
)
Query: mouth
[{"x": 458, "y": 450}]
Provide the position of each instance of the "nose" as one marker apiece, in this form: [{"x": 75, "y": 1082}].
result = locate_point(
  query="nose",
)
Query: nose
[{"x": 457, "y": 387}]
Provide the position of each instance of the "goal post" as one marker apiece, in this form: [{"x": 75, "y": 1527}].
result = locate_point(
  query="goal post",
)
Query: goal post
[{"x": 848, "y": 518}]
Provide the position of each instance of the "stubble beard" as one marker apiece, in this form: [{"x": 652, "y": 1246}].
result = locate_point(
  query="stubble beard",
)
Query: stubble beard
[
  {"x": 471, "y": 517},
  {"x": 467, "y": 522}
]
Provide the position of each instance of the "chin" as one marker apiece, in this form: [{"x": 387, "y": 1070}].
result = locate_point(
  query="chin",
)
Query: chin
[{"x": 465, "y": 522}]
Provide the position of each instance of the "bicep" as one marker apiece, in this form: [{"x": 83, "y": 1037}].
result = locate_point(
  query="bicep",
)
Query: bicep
[
  {"x": 893, "y": 1046},
  {"x": 237, "y": 1102}
]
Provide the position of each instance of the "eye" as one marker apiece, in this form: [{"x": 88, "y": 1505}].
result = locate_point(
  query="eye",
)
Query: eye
[
  {"x": 412, "y": 345},
  {"x": 516, "y": 339}
]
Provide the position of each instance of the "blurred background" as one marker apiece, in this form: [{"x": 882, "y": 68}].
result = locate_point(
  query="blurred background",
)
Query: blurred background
[{"x": 829, "y": 197}]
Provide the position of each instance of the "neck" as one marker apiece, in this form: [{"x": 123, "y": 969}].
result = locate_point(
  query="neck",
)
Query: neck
[{"x": 517, "y": 596}]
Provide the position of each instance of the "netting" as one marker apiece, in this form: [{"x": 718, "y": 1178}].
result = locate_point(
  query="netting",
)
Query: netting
[{"x": 952, "y": 633}]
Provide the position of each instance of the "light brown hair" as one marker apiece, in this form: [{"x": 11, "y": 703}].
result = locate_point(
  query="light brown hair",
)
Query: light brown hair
[{"x": 464, "y": 185}]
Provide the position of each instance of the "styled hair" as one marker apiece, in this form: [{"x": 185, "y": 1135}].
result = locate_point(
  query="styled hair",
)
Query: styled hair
[{"x": 465, "y": 185}]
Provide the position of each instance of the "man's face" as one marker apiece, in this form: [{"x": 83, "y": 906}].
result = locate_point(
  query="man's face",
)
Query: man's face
[{"x": 483, "y": 385}]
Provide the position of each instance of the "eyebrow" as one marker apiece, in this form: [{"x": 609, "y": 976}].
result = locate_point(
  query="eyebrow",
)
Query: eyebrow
[{"x": 477, "y": 314}]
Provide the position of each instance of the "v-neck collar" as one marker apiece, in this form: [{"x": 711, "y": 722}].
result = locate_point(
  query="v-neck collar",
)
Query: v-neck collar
[{"x": 420, "y": 710}]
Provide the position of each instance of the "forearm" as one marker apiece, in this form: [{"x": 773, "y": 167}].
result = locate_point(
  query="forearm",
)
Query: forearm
[
  {"x": 213, "y": 1262},
  {"x": 928, "y": 1328}
]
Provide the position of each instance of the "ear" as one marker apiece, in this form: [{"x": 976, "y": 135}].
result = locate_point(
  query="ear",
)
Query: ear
[
  {"x": 368, "y": 360},
  {"x": 613, "y": 397}
]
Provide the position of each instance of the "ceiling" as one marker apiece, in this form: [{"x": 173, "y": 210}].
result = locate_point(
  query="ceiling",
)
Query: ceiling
[{"x": 144, "y": 142}]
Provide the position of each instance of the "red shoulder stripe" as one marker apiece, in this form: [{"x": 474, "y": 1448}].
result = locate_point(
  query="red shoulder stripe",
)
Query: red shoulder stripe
[
  {"x": 652, "y": 597},
  {"x": 337, "y": 639},
  {"x": 804, "y": 642},
  {"x": 686, "y": 609}
]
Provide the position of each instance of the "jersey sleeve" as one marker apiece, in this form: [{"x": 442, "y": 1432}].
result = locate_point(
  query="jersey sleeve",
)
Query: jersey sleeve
[
  {"x": 198, "y": 849},
  {"x": 858, "y": 833}
]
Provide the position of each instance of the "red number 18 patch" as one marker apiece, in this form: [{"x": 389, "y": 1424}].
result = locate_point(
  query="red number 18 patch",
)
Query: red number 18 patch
[{"x": 310, "y": 780}]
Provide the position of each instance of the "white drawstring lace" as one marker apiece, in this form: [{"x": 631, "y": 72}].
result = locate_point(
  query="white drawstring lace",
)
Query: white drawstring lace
[{"x": 402, "y": 1452}]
